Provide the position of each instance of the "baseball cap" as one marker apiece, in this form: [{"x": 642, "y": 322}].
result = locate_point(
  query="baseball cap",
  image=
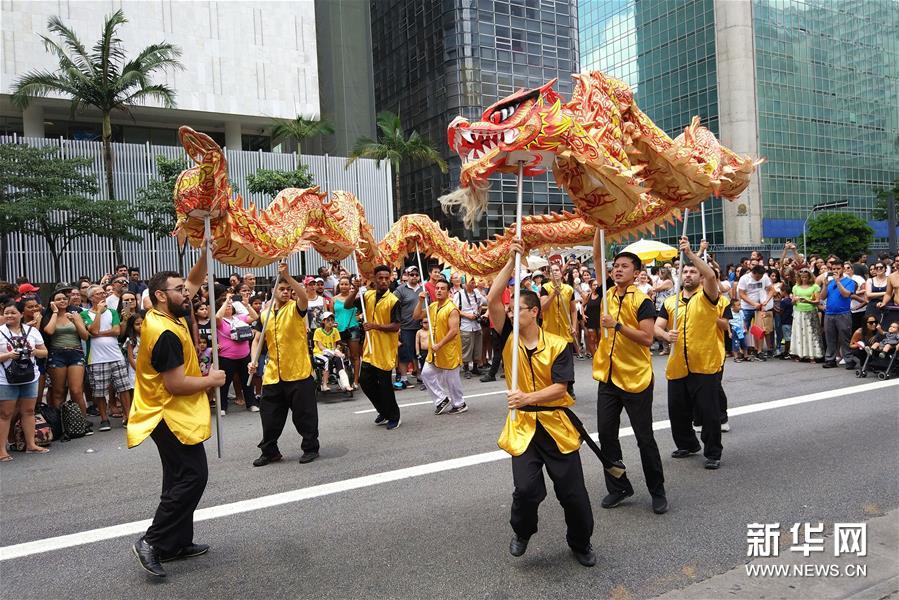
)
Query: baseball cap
[
  {"x": 308, "y": 279},
  {"x": 412, "y": 269},
  {"x": 317, "y": 279},
  {"x": 327, "y": 315},
  {"x": 27, "y": 288}
]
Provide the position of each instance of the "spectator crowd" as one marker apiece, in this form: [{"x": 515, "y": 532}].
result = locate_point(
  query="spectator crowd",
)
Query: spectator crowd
[{"x": 70, "y": 352}]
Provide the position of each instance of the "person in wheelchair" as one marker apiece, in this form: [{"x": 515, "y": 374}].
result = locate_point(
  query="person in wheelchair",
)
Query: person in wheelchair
[{"x": 326, "y": 353}]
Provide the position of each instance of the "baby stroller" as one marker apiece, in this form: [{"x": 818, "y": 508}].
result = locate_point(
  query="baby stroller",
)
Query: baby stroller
[{"x": 878, "y": 361}]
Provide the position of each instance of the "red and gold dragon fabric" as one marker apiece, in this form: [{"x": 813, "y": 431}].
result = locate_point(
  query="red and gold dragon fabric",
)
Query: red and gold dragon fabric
[{"x": 620, "y": 170}]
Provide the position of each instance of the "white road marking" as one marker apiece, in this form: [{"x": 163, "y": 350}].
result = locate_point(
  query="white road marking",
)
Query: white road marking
[
  {"x": 243, "y": 506},
  {"x": 371, "y": 410}
]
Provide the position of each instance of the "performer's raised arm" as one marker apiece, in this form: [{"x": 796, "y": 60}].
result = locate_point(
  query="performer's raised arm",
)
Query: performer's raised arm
[{"x": 495, "y": 307}]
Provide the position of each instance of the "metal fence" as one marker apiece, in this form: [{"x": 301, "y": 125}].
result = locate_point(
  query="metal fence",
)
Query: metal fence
[{"x": 134, "y": 166}]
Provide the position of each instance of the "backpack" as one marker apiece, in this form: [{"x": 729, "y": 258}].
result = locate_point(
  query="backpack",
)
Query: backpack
[
  {"x": 20, "y": 370},
  {"x": 74, "y": 424},
  {"x": 42, "y": 433},
  {"x": 52, "y": 417}
]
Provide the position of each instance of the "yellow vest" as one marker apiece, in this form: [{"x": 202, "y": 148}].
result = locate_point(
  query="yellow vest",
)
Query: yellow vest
[
  {"x": 288, "y": 348},
  {"x": 449, "y": 356},
  {"x": 380, "y": 346},
  {"x": 629, "y": 363},
  {"x": 187, "y": 416},
  {"x": 557, "y": 314},
  {"x": 700, "y": 342},
  {"x": 535, "y": 373}
]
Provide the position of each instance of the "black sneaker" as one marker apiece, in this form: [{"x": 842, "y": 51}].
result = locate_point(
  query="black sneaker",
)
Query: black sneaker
[
  {"x": 265, "y": 459},
  {"x": 487, "y": 378},
  {"x": 458, "y": 410},
  {"x": 379, "y": 420},
  {"x": 440, "y": 408},
  {"x": 712, "y": 464},
  {"x": 659, "y": 505},
  {"x": 616, "y": 498},
  {"x": 518, "y": 545},
  {"x": 586, "y": 557},
  {"x": 146, "y": 555},
  {"x": 93, "y": 411},
  {"x": 104, "y": 426},
  {"x": 467, "y": 374},
  {"x": 308, "y": 457},
  {"x": 393, "y": 424},
  {"x": 831, "y": 364},
  {"x": 683, "y": 453}
]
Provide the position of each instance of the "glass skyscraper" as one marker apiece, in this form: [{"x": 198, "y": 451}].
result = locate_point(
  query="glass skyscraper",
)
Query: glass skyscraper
[
  {"x": 436, "y": 59},
  {"x": 811, "y": 85}
]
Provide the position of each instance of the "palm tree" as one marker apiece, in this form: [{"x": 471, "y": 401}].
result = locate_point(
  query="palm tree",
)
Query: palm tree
[
  {"x": 103, "y": 78},
  {"x": 299, "y": 129},
  {"x": 393, "y": 145}
]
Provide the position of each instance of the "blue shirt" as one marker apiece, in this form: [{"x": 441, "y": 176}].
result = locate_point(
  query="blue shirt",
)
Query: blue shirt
[{"x": 836, "y": 303}]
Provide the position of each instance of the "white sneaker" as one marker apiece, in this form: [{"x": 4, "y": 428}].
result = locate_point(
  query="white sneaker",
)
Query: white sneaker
[
  {"x": 325, "y": 387},
  {"x": 254, "y": 408},
  {"x": 725, "y": 427},
  {"x": 842, "y": 362},
  {"x": 223, "y": 413}
]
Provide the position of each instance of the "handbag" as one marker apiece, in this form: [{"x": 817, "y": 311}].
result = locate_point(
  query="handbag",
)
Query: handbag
[
  {"x": 43, "y": 435},
  {"x": 241, "y": 333},
  {"x": 74, "y": 424},
  {"x": 19, "y": 370},
  {"x": 757, "y": 331}
]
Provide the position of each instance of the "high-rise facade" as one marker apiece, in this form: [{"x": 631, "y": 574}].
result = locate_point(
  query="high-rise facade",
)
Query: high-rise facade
[
  {"x": 811, "y": 85},
  {"x": 436, "y": 59}
]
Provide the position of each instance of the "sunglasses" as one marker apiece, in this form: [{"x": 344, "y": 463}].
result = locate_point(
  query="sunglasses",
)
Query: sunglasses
[{"x": 872, "y": 322}]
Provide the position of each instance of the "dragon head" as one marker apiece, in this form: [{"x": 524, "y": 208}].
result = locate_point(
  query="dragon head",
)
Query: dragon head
[
  {"x": 204, "y": 189},
  {"x": 525, "y": 128}
]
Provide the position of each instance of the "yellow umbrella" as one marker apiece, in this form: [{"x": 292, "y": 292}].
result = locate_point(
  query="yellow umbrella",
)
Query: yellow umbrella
[{"x": 649, "y": 250}]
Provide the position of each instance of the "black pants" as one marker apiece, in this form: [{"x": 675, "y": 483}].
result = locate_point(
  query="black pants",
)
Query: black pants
[
  {"x": 568, "y": 481},
  {"x": 722, "y": 403},
  {"x": 702, "y": 393},
  {"x": 277, "y": 399},
  {"x": 610, "y": 399},
  {"x": 237, "y": 365},
  {"x": 184, "y": 475},
  {"x": 497, "y": 359},
  {"x": 378, "y": 386}
]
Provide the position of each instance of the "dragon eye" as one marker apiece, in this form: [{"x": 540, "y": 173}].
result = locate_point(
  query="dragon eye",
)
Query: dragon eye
[{"x": 496, "y": 118}]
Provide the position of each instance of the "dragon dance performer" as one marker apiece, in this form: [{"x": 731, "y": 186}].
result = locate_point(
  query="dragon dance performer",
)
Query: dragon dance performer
[
  {"x": 382, "y": 342},
  {"x": 545, "y": 431},
  {"x": 441, "y": 370},
  {"x": 170, "y": 406},
  {"x": 623, "y": 367},
  {"x": 559, "y": 310},
  {"x": 287, "y": 383},
  {"x": 697, "y": 356}
]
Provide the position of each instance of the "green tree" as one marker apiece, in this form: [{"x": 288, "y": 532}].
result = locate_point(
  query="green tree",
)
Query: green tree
[
  {"x": 301, "y": 129},
  {"x": 103, "y": 77},
  {"x": 155, "y": 203},
  {"x": 52, "y": 198},
  {"x": 880, "y": 205},
  {"x": 843, "y": 234},
  {"x": 393, "y": 145},
  {"x": 270, "y": 182}
]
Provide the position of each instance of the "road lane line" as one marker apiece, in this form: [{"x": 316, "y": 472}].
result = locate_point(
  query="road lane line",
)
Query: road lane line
[
  {"x": 371, "y": 410},
  {"x": 243, "y": 506}
]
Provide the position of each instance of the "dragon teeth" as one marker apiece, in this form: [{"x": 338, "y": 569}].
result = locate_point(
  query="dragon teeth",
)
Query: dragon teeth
[
  {"x": 510, "y": 135},
  {"x": 467, "y": 136}
]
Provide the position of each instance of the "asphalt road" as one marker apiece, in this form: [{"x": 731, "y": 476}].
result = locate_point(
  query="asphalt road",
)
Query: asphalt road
[{"x": 445, "y": 534}]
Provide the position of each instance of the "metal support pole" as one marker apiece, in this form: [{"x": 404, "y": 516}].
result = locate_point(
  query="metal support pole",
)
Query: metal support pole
[
  {"x": 271, "y": 305},
  {"x": 213, "y": 330},
  {"x": 604, "y": 276},
  {"x": 680, "y": 274},
  {"x": 427, "y": 313},
  {"x": 516, "y": 296},
  {"x": 705, "y": 254},
  {"x": 362, "y": 301}
]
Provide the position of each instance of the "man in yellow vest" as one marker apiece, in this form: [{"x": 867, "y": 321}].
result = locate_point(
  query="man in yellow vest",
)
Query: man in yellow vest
[
  {"x": 544, "y": 432},
  {"x": 441, "y": 371},
  {"x": 623, "y": 367},
  {"x": 559, "y": 309},
  {"x": 697, "y": 354},
  {"x": 382, "y": 342},
  {"x": 170, "y": 406},
  {"x": 287, "y": 382}
]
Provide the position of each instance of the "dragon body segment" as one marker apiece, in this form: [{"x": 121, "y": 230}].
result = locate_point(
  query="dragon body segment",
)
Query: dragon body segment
[{"x": 622, "y": 172}]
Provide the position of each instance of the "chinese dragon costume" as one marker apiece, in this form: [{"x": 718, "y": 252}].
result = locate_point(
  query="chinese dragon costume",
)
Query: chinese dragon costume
[{"x": 620, "y": 170}]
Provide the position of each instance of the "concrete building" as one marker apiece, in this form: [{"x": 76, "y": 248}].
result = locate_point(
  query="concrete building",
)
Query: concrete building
[
  {"x": 244, "y": 64},
  {"x": 811, "y": 85},
  {"x": 436, "y": 59}
]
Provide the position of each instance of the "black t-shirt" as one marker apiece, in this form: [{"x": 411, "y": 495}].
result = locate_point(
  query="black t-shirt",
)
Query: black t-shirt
[
  {"x": 167, "y": 353},
  {"x": 647, "y": 310},
  {"x": 205, "y": 331}
]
